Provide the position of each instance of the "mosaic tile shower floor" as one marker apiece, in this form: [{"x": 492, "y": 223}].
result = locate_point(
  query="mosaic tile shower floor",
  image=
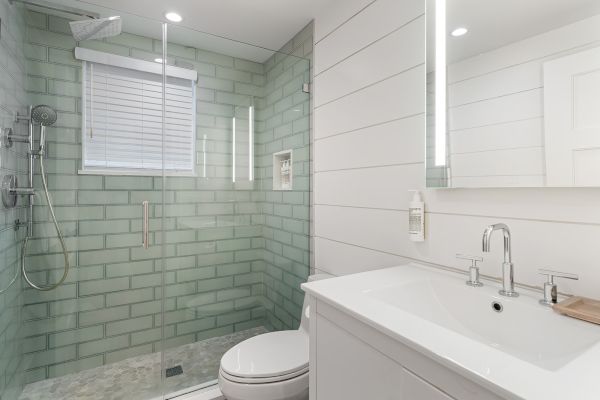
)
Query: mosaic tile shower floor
[{"x": 138, "y": 378}]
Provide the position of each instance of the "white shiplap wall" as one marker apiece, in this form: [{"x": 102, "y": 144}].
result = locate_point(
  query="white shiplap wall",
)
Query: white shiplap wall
[{"x": 369, "y": 150}]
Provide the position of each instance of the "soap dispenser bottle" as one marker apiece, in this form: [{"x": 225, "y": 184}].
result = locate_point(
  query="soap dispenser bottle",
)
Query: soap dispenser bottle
[{"x": 416, "y": 218}]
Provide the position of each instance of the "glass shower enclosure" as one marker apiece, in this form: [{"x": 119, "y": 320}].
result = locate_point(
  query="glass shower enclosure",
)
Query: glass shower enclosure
[{"x": 177, "y": 166}]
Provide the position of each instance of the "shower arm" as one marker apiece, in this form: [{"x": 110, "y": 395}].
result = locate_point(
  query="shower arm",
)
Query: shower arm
[{"x": 66, "y": 9}]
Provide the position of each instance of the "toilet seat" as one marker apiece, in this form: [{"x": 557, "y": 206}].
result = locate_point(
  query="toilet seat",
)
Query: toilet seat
[{"x": 267, "y": 358}]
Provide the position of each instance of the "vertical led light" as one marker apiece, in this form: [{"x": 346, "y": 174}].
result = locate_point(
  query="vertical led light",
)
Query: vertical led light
[
  {"x": 251, "y": 143},
  {"x": 440, "y": 83},
  {"x": 204, "y": 156},
  {"x": 233, "y": 153}
]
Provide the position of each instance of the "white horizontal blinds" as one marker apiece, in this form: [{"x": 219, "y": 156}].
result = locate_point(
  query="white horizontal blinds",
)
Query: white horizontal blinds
[{"x": 123, "y": 120}]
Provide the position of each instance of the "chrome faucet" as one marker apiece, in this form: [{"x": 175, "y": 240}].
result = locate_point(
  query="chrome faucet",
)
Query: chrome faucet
[{"x": 508, "y": 280}]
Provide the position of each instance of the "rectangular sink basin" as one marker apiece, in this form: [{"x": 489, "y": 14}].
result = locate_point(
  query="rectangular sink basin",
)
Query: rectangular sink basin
[
  {"x": 516, "y": 326},
  {"x": 513, "y": 346}
]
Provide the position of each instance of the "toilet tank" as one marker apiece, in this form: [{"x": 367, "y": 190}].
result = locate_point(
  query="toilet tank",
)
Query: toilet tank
[{"x": 304, "y": 323}]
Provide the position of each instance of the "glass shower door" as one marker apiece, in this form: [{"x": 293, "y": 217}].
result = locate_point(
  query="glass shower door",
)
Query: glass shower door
[
  {"x": 236, "y": 239},
  {"x": 99, "y": 332}
]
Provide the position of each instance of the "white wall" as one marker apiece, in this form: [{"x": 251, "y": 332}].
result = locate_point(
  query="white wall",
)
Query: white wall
[{"x": 369, "y": 150}]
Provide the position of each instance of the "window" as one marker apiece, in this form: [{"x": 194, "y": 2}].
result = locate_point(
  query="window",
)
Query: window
[{"x": 122, "y": 116}]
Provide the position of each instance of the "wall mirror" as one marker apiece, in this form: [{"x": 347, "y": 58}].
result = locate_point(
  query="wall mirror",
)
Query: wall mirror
[{"x": 513, "y": 93}]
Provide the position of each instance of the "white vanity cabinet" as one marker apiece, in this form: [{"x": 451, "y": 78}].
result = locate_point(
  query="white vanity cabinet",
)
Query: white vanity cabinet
[{"x": 350, "y": 360}]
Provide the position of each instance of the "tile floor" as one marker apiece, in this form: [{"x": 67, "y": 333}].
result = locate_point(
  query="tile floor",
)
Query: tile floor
[{"x": 138, "y": 378}]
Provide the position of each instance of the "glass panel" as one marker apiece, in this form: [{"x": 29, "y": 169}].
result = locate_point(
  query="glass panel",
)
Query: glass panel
[
  {"x": 238, "y": 239},
  {"x": 98, "y": 331}
]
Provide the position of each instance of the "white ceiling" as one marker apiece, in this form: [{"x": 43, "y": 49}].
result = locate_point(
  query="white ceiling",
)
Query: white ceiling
[
  {"x": 266, "y": 24},
  {"x": 493, "y": 24}
]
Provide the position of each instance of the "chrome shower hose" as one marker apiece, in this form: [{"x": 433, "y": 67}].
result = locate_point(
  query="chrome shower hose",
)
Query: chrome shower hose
[{"x": 58, "y": 232}]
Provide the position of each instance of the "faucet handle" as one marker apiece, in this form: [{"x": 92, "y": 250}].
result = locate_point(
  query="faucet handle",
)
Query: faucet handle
[
  {"x": 473, "y": 269},
  {"x": 550, "y": 288},
  {"x": 474, "y": 259}
]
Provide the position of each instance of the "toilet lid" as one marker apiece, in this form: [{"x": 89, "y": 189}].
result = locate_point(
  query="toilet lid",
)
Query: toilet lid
[{"x": 268, "y": 355}]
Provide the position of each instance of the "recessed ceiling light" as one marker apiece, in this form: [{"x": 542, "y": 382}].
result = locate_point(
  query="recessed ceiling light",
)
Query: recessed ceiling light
[
  {"x": 173, "y": 17},
  {"x": 459, "y": 32}
]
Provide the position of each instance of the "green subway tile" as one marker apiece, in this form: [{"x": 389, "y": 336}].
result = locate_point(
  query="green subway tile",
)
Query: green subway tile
[
  {"x": 129, "y": 297},
  {"x": 36, "y": 52},
  {"x": 104, "y": 345},
  {"x": 102, "y": 197},
  {"x": 52, "y": 39},
  {"x": 232, "y": 294},
  {"x": 248, "y": 279},
  {"x": 103, "y": 286},
  {"x": 58, "y": 24},
  {"x": 180, "y": 289},
  {"x": 99, "y": 227},
  {"x": 74, "y": 366},
  {"x": 52, "y": 71},
  {"x": 172, "y": 263},
  {"x": 36, "y": 327},
  {"x": 233, "y": 244},
  {"x": 211, "y": 333},
  {"x": 195, "y": 325},
  {"x": 129, "y": 268},
  {"x": 64, "y": 88},
  {"x": 148, "y": 308},
  {"x": 62, "y": 292},
  {"x": 233, "y": 269},
  {"x": 129, "y": 325},
  {"x": 33, "y": 360},
  {"x": 36, "y": 343},
  {"x": 35, "y": 311},
  {"x": 105, "y": 47},
  {"x": 104, "y": 315},
  {"x": 214, "y": 259},
  {"x": 123, "y": 240},
  {"x": 63, "y": 57},
  {"x": 75, "y": 336},
  {"x": 215, "y": 284},
  {"x": 234, "y": 75},
  {"x": 129, "y": 40},
  {"x": 195, "y": 274},
  {"x": 233, "y": 318},
  {"x": 196, "y": 300},
  {"x": 103, "y": 257},
  {"x": 123, "y": 212},
  {"x": 214, "y": 58},
  {"x": 37, "y": 19},
  {"x": 149, "y": 280},
  {"x": 75, "y": 305},
  {"x": 119, "y": 355},
  {"x": 196, "y": 248},
  {"x": 35, "y": 84},
  {"x": 215, "y": 233},
  {"x": 128, "y": 182}
]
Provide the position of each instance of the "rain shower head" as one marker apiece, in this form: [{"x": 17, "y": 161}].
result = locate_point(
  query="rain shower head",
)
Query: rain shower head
[
  {"x": 96, "y": 28},
  {"x": 43, "y": 115}
]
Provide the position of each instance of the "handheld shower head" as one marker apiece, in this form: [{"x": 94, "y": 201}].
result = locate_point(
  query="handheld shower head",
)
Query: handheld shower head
[{"x": 43, "y": 115}]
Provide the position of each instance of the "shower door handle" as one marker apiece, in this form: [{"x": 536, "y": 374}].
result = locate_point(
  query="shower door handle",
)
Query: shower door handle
[{"x": 145, "y": 224}]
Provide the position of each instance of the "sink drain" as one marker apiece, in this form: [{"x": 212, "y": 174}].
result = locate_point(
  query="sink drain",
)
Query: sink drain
[{"x": 497, "y": 307}]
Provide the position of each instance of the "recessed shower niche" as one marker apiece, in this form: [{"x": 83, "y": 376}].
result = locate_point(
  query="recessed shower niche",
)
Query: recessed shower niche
[{"x": 282, "y": 170}]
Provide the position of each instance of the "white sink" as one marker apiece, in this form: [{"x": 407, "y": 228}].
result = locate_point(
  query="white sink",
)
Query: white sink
[
  {"x": 523, "y": 328},
  {"x": 526, "y": 350}
]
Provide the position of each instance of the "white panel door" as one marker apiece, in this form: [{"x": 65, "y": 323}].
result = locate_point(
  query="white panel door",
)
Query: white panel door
[{"x": 572, "y": 119}]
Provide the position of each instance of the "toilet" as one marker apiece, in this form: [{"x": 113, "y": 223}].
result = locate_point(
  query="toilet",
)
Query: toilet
[{"x": 271, "y": 366}]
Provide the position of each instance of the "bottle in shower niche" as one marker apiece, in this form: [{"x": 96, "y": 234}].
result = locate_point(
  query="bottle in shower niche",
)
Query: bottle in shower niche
[{"x": 416, "y": 218}]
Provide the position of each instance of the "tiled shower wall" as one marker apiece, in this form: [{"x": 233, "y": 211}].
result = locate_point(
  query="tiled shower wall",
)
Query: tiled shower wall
[
  {"x": 12, "y": 161},
  {"x": 286, "y": 126},
  {"x": 109, "y": 308}
]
